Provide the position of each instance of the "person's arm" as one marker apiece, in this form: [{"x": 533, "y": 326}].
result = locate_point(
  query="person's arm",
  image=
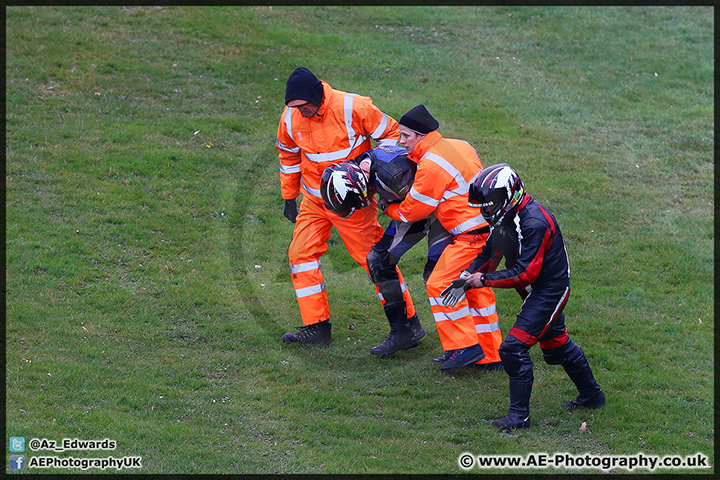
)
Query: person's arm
[
  {"x": 427, "y": 192},
  {"x": 534, "y": 242},
  {"x": 290, "y": 157}
]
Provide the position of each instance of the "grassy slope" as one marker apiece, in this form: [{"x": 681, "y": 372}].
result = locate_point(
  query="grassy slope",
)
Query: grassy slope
[{"x": 147, "y": 285}]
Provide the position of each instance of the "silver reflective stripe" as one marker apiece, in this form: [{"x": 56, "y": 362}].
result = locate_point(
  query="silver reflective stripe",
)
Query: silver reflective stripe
[
  {"x": 559, "y": 304},
  {"x": 484, "y": 312},
  {"x": 328, "y": 156},
  {"x": 519, "y": 232},
  {"x": 289, "y": 169},
  {"x": 353, "y": 139},
  {"x": 285, "y": 148},
  {"x": 468, "y": 225},
  {"x": 453, "y": 193},
  {"x": 451, "y": 316},
  {"x": 288, "y": 123},
  {"x": 381, "y": 128},
  {"x": 463, "y": 186},
  {"x": 305, "y": 267},
  {"x": 307, "y": 291},
  {"x": 388, "y": 142},
  {"x": 312, "y": 191},
  {"x": 435, "y": 301},
  {"x": 423, "y": 198},
  {"x": 347, "y": 109},
  {"x": 487, "y": 328},
  {"x": 403, "y": 287}
]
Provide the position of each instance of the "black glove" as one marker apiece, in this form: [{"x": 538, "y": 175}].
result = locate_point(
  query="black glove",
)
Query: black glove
[{"x": 290, "y": 211}]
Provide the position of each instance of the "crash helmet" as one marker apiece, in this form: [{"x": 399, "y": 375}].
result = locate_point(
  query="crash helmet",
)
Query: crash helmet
[
  {"x": 391, "y": 172},
  {"x": 343, "y": 187},
  {"x": 497, "y": 190}
]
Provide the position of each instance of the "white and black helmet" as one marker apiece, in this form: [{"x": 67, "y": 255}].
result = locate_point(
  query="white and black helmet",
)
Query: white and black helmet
[
  {"x": 343, "y": 187},
  {"x": 497, "y": 190}
]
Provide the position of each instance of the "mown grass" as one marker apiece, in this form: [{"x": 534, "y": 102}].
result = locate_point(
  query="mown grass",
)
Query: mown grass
[{"x": 147, "y": 281}]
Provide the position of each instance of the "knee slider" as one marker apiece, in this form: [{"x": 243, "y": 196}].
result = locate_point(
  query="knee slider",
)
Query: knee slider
[
  {"x": 379, "y": 266},
  {"x": 516, "y": 359}
]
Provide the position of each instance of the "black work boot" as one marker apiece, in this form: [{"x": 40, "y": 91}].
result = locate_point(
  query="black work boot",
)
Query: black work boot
[
  {"x": 309, "y": 334},
  {"x": 401, "y": 336},
  {"x": 444, "y": 357},
  {"x": 590, "y": 394},
  {"x": 417, "y": 328},
  {"x": 519, "y": 415},
  {"x": 462, "y": 358}
]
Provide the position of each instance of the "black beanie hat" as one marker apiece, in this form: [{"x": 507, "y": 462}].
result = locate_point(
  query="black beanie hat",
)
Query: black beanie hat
[
  {"x": 304, "y": 85},
  {"x": 420, "y": 120}
]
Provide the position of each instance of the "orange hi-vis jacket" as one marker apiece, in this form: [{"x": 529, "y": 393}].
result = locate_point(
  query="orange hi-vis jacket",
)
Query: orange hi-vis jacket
[
  {"x": 445, "y": 168},
  {"x": 442, "y": 180},
  {"x": 340, "y": 130}
]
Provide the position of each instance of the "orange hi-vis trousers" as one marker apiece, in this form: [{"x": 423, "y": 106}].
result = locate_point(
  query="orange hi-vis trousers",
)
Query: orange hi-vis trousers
[
  {"x": 312, "y": 230},
  {"x": 474, "y": 318}
]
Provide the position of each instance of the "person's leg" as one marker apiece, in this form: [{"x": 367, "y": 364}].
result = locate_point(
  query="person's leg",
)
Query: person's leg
[
  {"x": 519, "y": 368},
  {"x": 309, "y": 243},
  {"x": 382, "y": 260},
  {"x": 561, "y": 350}
]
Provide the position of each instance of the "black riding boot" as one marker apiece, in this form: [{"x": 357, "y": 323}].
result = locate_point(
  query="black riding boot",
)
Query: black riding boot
[
  {"x": 590, "y": 395},
  {"x": 401, "y": 336},
  {"x": 519, "y": 414}
]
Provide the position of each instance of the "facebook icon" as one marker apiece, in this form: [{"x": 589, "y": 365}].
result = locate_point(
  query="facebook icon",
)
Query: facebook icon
[{"x": 17, "y": 462}]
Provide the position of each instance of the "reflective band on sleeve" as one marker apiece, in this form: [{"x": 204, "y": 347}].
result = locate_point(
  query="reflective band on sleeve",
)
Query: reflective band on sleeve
[
  {"x": 388, "y": 142},
  {"x": 467, "y": 225},
  {"x": 423, "y": 198},
  {"x": 381, "y": 128},
  {"x": 289, "y": 169},
  {"x": 305, "y": 267},
  {"x": 450, "y": 169},
  {"x": 284, "y": 148},
  {"x": 307, "y": 291}
]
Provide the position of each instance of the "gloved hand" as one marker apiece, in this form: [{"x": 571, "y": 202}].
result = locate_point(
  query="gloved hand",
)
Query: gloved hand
[
  {"x": 290, "y": 210},
  {"x": 456, "y": 290},
  {"x": 382, "y": 206}
]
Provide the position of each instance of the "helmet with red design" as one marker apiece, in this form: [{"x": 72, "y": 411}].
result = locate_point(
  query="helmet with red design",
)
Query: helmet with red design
[{"x": 497, "y": 190}]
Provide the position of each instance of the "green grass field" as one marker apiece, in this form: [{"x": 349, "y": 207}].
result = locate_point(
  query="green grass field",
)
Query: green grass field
[{"x": 147, "y": 284}]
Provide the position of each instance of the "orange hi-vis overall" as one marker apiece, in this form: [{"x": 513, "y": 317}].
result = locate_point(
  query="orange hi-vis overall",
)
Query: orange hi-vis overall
[
  {"x": 341, "y": 129},
  {"x": 445, "y": 168}
]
